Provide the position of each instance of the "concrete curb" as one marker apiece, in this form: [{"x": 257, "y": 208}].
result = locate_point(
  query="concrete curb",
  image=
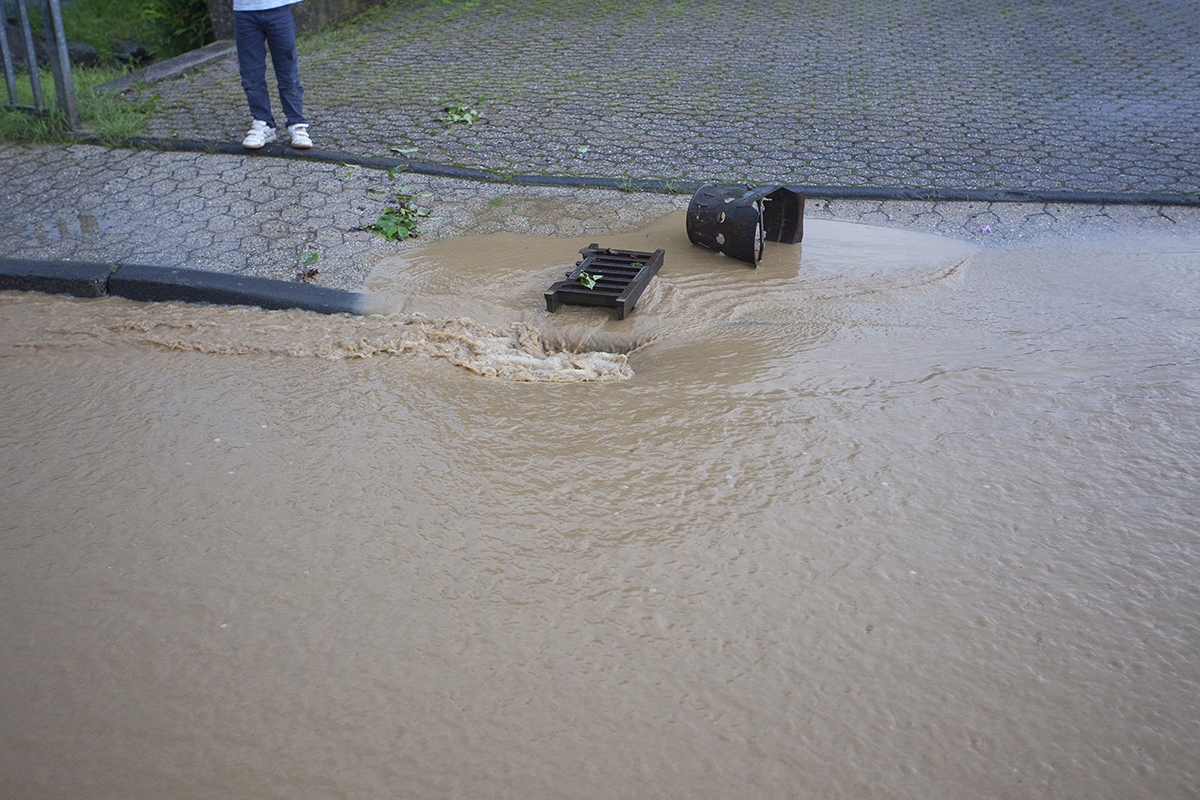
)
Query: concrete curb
[
  {"x": 168, "y": 284},
  {"x": 652, "y": 185},
  {"x": 171, "y": 68},
  {"x": 75, "y": 278}
]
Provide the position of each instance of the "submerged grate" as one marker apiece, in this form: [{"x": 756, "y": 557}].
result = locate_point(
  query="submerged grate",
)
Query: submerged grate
[{"x": 623, "y": 275}]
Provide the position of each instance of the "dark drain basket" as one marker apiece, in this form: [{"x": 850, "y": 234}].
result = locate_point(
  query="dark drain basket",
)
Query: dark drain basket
[{"x": 736, "y": 219}]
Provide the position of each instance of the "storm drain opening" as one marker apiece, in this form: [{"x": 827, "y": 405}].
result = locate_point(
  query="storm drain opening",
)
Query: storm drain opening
[{"x": 606, "y": 277}]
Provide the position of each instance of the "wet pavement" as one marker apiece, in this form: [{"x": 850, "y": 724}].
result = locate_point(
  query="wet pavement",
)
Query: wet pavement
[
  {"x": 1070, "y": 97},
  {"x": 1025, "y": 95}
]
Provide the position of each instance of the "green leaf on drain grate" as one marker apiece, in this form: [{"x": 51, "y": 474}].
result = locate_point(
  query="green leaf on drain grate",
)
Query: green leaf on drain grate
[{"x": 588, "y": 280}]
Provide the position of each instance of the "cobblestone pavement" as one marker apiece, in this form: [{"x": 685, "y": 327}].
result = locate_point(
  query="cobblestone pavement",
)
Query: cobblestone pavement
[
  {"x": 914, "y": 93},
  {"x": 264, "y": 216},
  {"x": 1017, "y": 94}
]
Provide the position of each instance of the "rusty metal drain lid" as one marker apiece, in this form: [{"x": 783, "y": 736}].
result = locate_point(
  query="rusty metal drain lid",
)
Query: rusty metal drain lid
[
  {"x": 737, "y": 219},
  {"x": 606, "y": 277}
]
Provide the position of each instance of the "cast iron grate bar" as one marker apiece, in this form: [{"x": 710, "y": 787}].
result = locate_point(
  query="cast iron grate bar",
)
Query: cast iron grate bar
[{"x": 624, "y": 275}]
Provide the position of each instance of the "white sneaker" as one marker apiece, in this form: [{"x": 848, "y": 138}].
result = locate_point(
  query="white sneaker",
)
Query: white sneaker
[
  {"x": 260, "y": 133},
  {"x": 299, "y": 134}
]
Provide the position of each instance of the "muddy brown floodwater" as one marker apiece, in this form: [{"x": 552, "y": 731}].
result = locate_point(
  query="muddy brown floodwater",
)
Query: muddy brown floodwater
[{"x": 891, "y": 516}]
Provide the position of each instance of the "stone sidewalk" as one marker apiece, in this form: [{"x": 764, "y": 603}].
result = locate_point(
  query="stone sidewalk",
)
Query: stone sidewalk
[
  {"x": 262, "y": 216},
  {"x": 265, "y": 216},
  {"x": 1020, "y": 94},
  {"x": 1026, "y": 96}
]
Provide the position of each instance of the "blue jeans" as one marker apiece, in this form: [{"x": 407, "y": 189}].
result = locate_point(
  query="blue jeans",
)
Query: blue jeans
[{"x": 254, "y": 31}]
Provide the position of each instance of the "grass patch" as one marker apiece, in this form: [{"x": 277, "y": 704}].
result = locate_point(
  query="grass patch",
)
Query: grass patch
[
  {"x": 101, "y": 113},
  {"x": 100, "y": 23},
  {"x": 165, "y": 27}
]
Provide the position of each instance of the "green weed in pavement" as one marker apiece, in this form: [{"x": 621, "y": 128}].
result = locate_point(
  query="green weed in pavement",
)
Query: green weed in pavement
[
  {"x": 459, "y": 114},
  {"x": 399, "y": 220}
]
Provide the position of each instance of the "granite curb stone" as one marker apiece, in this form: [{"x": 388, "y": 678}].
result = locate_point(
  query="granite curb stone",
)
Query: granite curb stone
[
  {"x": 169, "y": 284},
  {"x": 171, "y": 67},
  {"x": 74, "y": 278},
  {"x": 688, "y": 187}
]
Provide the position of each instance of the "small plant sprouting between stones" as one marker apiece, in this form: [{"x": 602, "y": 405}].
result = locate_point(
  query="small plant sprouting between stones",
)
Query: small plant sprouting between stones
[
  {"x": 305, "y": 271},
  {"x": 399, "y": 220},
  {"x": 588, "y": 279},
  {"x": 459, "y": 114}
]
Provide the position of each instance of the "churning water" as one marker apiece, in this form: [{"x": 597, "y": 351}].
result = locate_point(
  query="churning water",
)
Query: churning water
[{"x": 890, "y": 516}]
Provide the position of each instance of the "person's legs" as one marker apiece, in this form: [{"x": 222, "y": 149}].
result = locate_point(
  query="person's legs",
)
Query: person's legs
[
  {"x": 252, "y": 63},
  {"x": 280, "y": 29}
]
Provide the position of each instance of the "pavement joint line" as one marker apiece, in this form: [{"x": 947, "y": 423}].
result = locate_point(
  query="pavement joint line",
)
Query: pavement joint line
[
  {"x": 145, "y": 283},
  {"x": 279, "y": 150}
]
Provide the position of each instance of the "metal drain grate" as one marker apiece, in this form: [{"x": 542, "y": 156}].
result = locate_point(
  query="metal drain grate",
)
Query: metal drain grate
[{"x": 620, "y": 278}]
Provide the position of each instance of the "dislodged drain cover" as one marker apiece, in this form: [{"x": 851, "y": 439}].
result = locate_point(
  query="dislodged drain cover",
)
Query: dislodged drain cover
[{"x": 606, "y": 277}]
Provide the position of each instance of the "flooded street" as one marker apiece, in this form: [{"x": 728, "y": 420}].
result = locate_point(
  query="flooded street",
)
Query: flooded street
[{"x": 891, "y": 516}]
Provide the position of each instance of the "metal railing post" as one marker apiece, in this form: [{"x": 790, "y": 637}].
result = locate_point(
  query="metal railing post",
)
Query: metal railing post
[
  {"x": 35, "y": 77},
  {"x": 60, "y": 62},
  {"x": 35, "y": 83},
  {"x": 10, "y": 78},
  {"x": 35, "y": 80}
]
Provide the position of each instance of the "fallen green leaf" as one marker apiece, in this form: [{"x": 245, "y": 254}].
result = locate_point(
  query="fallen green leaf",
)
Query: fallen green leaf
[{"x": 588, "y": 280}]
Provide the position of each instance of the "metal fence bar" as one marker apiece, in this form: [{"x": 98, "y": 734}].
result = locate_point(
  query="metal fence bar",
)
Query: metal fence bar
[
  {"x": 60, "y": 63},
  {"x": 35, "y": 77},
  {"x": 35, "y": 83},
  {"x": 10, "y": 78}
]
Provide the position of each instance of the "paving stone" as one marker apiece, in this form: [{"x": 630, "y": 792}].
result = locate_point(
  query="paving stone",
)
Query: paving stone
[
  {"x": 941, "y": 102},
  {"x": 997, "y": 82}
]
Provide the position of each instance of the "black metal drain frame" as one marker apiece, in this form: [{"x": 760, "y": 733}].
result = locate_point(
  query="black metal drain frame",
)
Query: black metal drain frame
[{"x": 623, "y": 275}]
